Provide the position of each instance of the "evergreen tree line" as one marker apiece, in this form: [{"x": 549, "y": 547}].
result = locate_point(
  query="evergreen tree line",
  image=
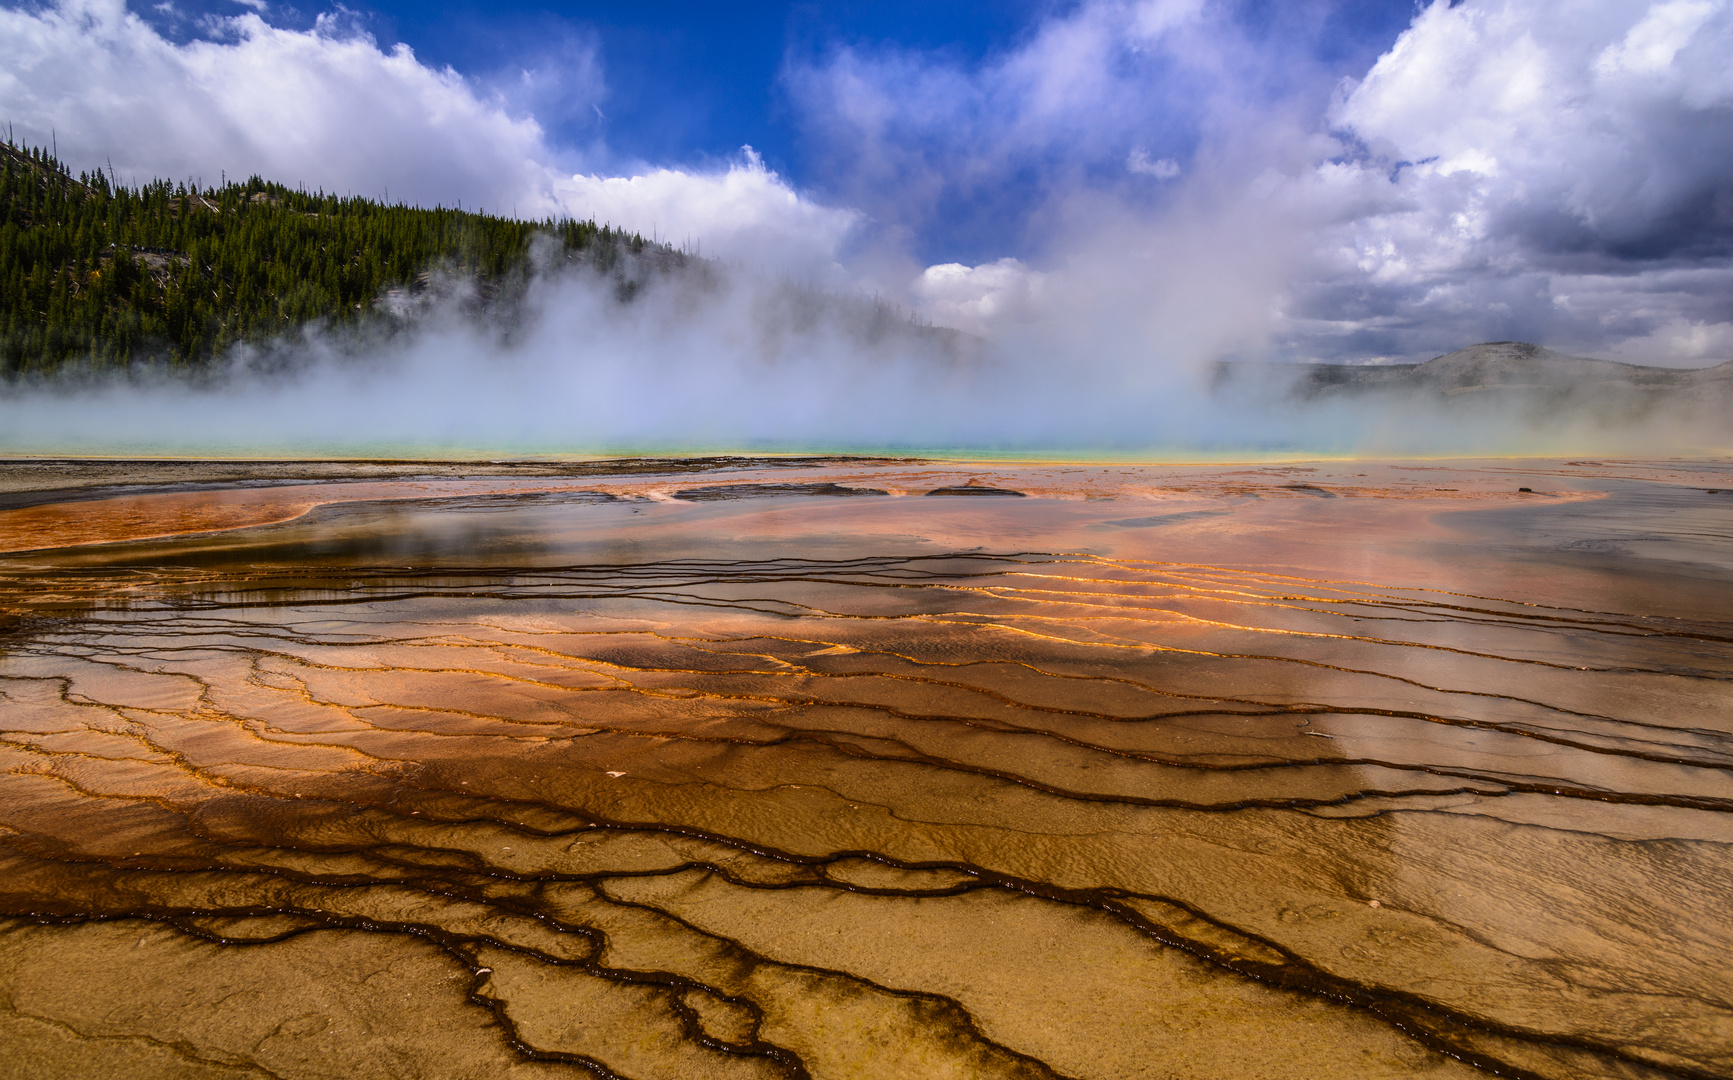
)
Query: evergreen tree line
[{"x": 96, "y": 275}]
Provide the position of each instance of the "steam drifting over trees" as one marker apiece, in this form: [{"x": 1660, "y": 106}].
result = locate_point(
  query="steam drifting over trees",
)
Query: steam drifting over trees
[{"x": 98, "y": 276}]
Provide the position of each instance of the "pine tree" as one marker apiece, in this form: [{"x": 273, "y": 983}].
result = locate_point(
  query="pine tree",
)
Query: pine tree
[{"x": 106, "y": 276}]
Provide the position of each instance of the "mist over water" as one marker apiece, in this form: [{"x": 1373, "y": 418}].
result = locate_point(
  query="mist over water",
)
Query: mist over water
[{"x": 722, "y": 359}]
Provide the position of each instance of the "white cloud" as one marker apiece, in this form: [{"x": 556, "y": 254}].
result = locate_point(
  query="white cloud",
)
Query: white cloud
[
  {"x": 1540, "y": 168},
  {"x": 1138, "y": 161},
  {"x": 1152, "y": 18},
  {"x": 1582, "y": 107},
  {"x": 322, "y": 108},
  {"x": 747, "y": 213},
  {"x": 329, "y": 108},
  {"x": 1651, "y": 46},
  {"x": 981, "y": 298}
]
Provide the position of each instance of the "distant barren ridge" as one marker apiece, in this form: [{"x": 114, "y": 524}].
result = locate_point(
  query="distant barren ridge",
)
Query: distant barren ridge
[{"x": 1496, "y": 369}]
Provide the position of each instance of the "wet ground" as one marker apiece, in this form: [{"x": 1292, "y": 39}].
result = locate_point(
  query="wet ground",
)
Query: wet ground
[{"x": 1335, "y": 769}]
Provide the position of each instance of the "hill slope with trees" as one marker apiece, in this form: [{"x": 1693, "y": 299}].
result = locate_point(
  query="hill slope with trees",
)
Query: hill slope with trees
[{"x": 98, "y": 276}]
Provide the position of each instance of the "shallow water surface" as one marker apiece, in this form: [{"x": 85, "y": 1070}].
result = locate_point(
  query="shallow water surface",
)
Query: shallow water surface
[{"x": 1354, "y": 769}]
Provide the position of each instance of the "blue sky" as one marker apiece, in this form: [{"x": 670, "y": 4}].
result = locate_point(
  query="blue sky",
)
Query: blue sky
[
  {"x": 1168, "y": 181},
  {"x": 687, "y": 81},
  {"x": 694, "y": 81}
]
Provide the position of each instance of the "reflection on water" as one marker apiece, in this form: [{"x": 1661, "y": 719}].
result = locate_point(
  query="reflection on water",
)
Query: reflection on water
[{"x": 1201, "y": 777}]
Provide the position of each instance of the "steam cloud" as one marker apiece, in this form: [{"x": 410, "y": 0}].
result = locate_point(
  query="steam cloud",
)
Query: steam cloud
[
  {"x": 729, "y": 361},
  {"x": 1144, "y": 188}
]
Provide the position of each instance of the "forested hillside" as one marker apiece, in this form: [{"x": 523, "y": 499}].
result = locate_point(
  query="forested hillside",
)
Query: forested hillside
[{"x": 98, "y": 275}]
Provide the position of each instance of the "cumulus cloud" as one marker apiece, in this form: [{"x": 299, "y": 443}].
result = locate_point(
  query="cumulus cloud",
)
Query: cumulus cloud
[
  {"x": 980, "y": 299},
  {"x": 1549, "y": 170},
  {"x": 747, "y": 213},
  {"x": 328, "y": 108},
  {"x": 1545, "y": 168},
  {"x": 324, "y": 107}
]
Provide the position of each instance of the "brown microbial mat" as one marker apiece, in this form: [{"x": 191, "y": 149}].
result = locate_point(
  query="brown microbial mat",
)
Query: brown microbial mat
[{"x": 1339, "y": 769}]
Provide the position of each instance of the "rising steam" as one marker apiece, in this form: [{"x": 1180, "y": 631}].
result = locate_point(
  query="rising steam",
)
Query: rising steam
[{"x": 713, "y": 358}]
